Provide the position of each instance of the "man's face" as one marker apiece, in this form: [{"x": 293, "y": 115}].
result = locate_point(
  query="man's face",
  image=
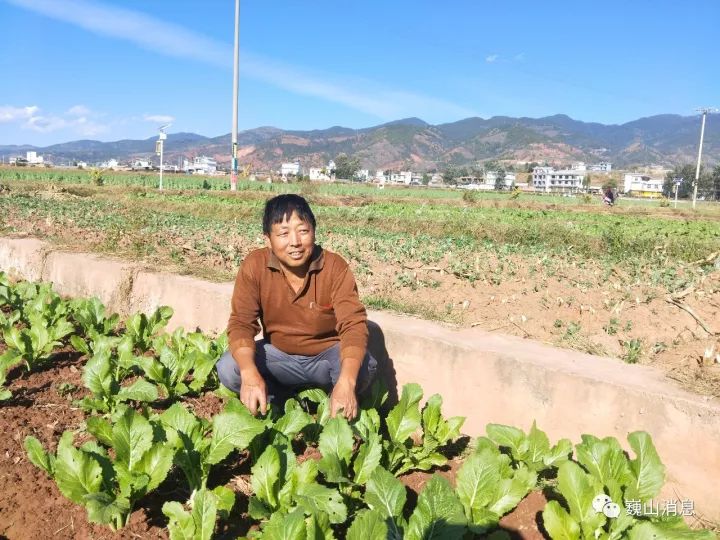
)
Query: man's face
[{"x": 292, "y": 242}]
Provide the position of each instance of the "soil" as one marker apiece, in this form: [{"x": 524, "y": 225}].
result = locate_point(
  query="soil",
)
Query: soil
[{"x": 32, "y": 507}]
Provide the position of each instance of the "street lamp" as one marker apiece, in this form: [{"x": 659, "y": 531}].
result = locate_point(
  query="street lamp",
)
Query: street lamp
[
  {"x": 704, "y": 111},
  {"x": 159, "y": 144},
  {"x": 677, "y": 182},
  {"x": 236, "y": 62}
]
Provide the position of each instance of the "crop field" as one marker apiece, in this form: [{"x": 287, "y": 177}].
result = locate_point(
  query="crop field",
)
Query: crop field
[
  {"x": 116, "y": 425},
  {"x": 638, "y": 282}
]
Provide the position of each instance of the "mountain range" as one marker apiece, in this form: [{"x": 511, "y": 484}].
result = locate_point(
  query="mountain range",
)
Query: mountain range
[{"x": 414, "y": 144}]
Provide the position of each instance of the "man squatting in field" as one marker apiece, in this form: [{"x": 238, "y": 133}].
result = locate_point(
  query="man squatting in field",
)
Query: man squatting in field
[{"x": 314, "y": 325}]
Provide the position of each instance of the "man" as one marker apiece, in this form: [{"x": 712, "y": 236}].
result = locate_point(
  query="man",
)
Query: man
[
  {"x": 314, "y": 325},
  {"x": 609, "y": 197}
]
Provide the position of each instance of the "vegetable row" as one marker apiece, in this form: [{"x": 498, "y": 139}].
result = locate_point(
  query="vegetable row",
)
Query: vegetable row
[{"x": 139, "y": 429}]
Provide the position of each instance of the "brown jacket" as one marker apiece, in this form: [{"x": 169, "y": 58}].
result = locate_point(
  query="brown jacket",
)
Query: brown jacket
[{"x": 325, "y": 310}]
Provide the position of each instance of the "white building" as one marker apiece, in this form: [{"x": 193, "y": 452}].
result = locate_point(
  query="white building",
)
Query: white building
[
  {"x": 290, "y": 169},
  {"x": 490, "y": 178},
  {"x": 317, "y": 174},
  {"x": 578, "y": 166},
  {"x": 562, "y": 181},
  {"x": 141, "y": 165},
  {"x": 641, "y": 185},
  {"x": 200, "y": 165},
  {"x": 109, "y": 164},
  {"x": 436, "y": 180},
  {"x": 363, "y": 175},
  {"x": 402, "y": 177},
  {"x": 603, "y": 166},
  {"x": 34, "y": 159}
]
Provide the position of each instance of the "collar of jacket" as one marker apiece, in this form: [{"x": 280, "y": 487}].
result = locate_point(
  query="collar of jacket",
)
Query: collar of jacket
[{"x": 317, "y": 259}]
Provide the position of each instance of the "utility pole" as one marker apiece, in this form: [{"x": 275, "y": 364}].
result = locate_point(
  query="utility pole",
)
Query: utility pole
[
  {"x": 236, "y": 62},
  {"x": 704, "y": 111},
  {"x": 159, "y": 144}
]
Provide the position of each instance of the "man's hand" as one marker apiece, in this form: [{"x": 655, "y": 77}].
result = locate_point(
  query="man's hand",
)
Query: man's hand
[
  {"x": 253, "y": 393},
  {"x": 343, "y": 398}
]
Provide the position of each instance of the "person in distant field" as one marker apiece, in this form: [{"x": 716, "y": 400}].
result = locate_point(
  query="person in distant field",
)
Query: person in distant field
[
  {"x": 306, "y": 301},
  {"x": 609, "y": 197}
]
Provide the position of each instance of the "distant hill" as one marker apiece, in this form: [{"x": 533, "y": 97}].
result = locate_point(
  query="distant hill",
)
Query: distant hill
[{"x": 412, "y": 143}]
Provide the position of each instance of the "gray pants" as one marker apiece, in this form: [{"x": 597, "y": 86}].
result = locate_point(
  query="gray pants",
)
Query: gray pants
[{"x": 286, "y": 373}]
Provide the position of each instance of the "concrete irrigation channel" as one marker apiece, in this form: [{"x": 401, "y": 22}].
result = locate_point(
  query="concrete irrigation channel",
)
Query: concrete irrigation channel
[{"x": 486, "y": 377}]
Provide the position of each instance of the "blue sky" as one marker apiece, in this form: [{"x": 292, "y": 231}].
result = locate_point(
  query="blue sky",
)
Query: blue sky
[{"x": 108, "y": 70}]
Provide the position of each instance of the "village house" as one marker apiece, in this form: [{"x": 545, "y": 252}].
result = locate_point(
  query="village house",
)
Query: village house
[
  {"x": 642, "y": 185},
  {"x": 549, "y": 180}
]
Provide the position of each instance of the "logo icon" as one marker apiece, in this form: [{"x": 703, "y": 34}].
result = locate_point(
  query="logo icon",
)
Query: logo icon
[{"x": 603, "y": 503}]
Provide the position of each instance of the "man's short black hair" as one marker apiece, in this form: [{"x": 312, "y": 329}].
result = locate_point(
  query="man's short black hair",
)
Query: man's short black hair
[{"x": 281, "y": 207}]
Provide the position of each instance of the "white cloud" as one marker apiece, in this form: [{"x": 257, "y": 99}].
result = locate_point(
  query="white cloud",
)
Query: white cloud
[
  {"x": 492, "y": 58},
  {"x": 78, "y": 120},
  {"x": 78, "y": 110},
  {"x": 174, "y": 40},
  {"x": 9, "y": 113},
  {"x": 159, "y": 118}
]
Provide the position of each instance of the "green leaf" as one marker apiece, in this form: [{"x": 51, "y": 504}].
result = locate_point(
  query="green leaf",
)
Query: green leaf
[
  {"x": 225, "y": 500},
  {"x": 315, "y": 498},
  {"x": 507, "y": 436},
  {"x": 404, "y": 419},
  {"x": 367, "y": 424},
  {"x": 105, "y": 508},
  {"x": 38, "y": 456},
  {"x": 318, "y": 527},
  {"x": 438, "y": 431},
  {"x": 668, "y": 531},
  {"x": 293, "y": 421},
  {"x": 97, "y": 375},
  {"x": 180, "y": 419},
  {"x": 536, "y": 446},
  {"x": 132, "y": 436},
  {"x": 101, "y": 429},
  {"x": 156, "y": 463},
  {"x": 648, "y": 470},
  {"x": 558, "y": 522},
  {"x": 180, "y": 523},
  {"x": 76, "y": 473},
  {"x": 336, "y": 445},
  {"x": 368, "y": 525},
  {"x": 257, "y": 509},
  {"x": 316, "y": 395},
  {"x": 140, "y": 390},
  {"x": 606, "y": 461},
  {"x": 476, "y": 483},
  {"x": 367, "y": 459},
  {"x": 558, "y": 454},
  {"x": 579, "y": 489},
  {"x": 385, "y": 493},
  {"x": 79, "y": 344},
  {"x": 285, "y": 526},
  {"x": 204, "y": 512},
  {"x": 510, "y": 491},
  {"x": 266, "y": 475},
  {"x": 234, "y": 428},
  {"x": 438, "y": 514}
]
